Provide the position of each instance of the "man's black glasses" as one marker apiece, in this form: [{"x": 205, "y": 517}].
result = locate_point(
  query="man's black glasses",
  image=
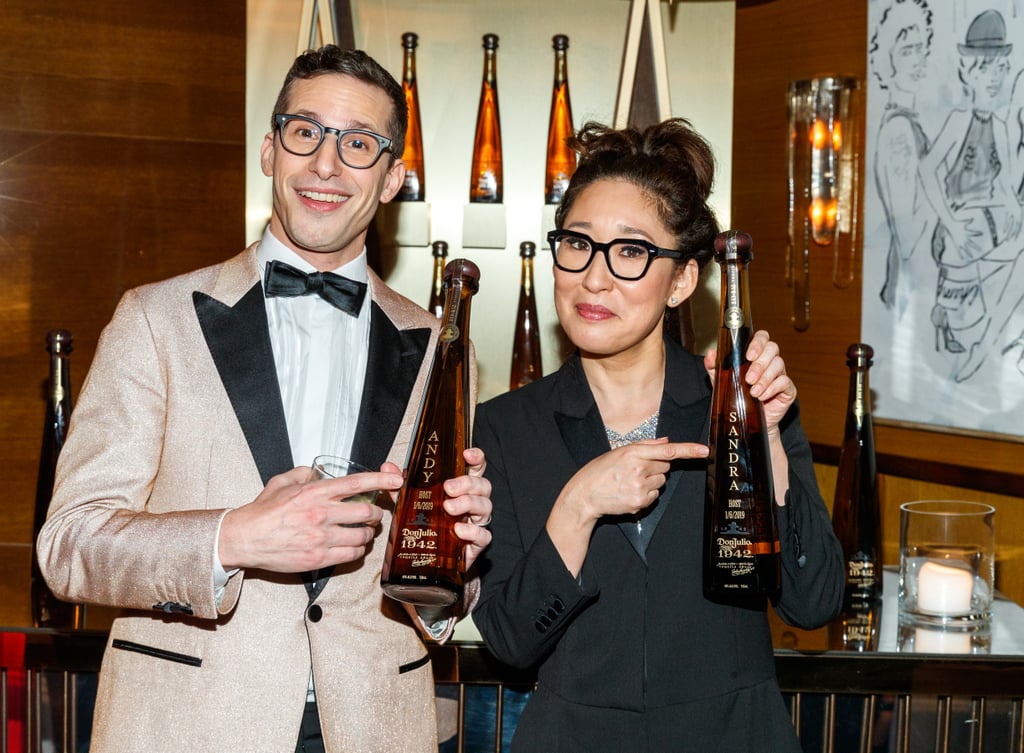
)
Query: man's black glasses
[{"x": 356, "y": 147}]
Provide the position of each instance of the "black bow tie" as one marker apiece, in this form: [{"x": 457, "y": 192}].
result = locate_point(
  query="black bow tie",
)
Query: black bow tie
[{"x": 287, "y": 281}]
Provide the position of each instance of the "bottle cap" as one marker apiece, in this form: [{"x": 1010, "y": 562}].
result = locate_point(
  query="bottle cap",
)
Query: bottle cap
[
  {"x": 527, "y": 249},
  {"x": 490, "y": 41},
  {"x": 733, "y": 245},
  {"x": 439, "y": 248},
  {"x": 59, "y": 341},
  {"x": 464, "y": 271},
  {"x": 860, "y": 354},
  {"x": 409, "y": 40},
  {"x": 560, "y": 42}
]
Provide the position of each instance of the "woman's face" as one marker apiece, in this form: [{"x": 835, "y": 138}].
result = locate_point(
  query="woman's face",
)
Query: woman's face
[
  {"x": 909, "y": 55},
  {"x": 601, "y": 314}
]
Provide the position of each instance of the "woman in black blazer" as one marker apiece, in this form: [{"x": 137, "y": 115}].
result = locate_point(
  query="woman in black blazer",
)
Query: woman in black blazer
[{"x": 598, "y": 475}]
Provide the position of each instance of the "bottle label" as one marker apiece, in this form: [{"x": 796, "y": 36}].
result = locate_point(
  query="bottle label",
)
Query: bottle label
[
  {"x": 487, "y": 186},
  {"x": 861, "y": 575},
  {"x": 411, "y": 186},
  {"x": 859, "y": 404},
  {"x": 557, "y": 190},
  {"x": 734, "y": 318},
  {"x": 449, "y": 332}
]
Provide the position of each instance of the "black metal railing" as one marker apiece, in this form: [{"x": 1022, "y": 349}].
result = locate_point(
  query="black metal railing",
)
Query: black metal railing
[{"x": 839, "y": 702}]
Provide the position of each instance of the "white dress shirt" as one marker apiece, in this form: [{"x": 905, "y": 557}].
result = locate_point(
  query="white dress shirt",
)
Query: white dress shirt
[{"x": 320, "y": 355}]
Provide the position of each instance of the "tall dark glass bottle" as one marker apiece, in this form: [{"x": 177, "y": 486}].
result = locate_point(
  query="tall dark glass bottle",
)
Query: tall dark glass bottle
[
  {"x": 526, "y": 366},
  {"x": 414, "y": 188},
  {"x": 856, "y": 514},
  {"x": 436, "y": 306},
  {"x": 485, "y": 184},
  {"x": 741, "y": 540},
  {"x": 47, "y": 610},
  {"x": 424, "y": 558},
  {"x": 561, "y": 160}
]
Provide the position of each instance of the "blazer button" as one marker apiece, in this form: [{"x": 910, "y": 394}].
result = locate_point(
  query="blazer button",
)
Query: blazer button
[{"x": 315, "y": 613}]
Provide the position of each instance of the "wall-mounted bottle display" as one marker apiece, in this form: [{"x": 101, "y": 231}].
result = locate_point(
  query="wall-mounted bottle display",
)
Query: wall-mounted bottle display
[
  {"x": 486, "y": 177},
  {"x": 526, "y": 365},
  {"x": 414, "y": 188},
  {"x": 561, "y": 160},
  {"x": 436, "y": 305},
  {"x": 741, "y": 538},
  {"x": 47, "y": 610}
]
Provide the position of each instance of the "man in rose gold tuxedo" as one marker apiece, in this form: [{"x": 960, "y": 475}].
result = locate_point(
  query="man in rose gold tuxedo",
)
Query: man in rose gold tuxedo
[{"x": 252, "y": 613}]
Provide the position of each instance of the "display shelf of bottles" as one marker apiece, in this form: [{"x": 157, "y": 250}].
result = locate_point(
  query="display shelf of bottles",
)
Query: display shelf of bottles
[
  {"x": 407, "y": 222},
  {"x": 483, "y": 226}
]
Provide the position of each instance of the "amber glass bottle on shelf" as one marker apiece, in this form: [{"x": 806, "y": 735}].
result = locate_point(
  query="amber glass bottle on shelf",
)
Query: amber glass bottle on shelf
[
  {"x": 561, "y": 160},
  {"x": 856, "y": 514},
  {"x": 414, "y": 188},
  {"x": 424, "y": 558},
  {"x": 47, "y": 610},
  {"x": 526, "y": 366},
  {"x": 741, "y": 540},
  {"x": 485, "y": 186},
  {"x": 440, "y": 251}
]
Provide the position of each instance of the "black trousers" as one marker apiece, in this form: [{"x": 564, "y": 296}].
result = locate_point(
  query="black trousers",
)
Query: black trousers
[{"x": 311, "y": 739}]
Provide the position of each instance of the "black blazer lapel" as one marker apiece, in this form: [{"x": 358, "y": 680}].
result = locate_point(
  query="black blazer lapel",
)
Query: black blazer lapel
[
  {"x": 239, "y": 341},
  {"x": 392, "y": 366}
]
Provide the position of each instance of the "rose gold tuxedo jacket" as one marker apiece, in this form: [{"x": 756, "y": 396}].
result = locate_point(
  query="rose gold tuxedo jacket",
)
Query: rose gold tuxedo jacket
[{"x": 180, "y": 419}]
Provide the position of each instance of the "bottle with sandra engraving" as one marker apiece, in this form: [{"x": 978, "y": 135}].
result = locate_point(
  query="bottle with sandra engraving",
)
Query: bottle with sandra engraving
[
  {"x": 741, "y": 540},
  {"x": 424, "y": 558}
]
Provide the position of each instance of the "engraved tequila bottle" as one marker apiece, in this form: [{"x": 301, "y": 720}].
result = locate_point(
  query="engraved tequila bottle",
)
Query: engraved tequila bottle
[
  {"x": 741, "y": 540},
  {"x": 424, "y": 558}
]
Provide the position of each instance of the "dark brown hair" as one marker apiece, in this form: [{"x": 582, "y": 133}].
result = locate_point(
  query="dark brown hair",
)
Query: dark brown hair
[
  {"x": 355, "y": 63},
  {"x": 670, "y": 162}
]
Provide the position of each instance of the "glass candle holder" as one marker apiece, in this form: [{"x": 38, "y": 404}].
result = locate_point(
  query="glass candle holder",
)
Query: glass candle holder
[{"x": 947, "y": 564}]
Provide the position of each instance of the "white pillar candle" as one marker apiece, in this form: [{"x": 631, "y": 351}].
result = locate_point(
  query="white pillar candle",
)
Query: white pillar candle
[
  {"x": 941, "y": 642},
  {"x": 944, "y": 590}
]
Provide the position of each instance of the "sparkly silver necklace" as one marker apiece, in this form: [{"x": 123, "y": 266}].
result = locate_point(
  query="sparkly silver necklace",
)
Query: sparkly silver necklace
[{"x": 646, "y": 430}]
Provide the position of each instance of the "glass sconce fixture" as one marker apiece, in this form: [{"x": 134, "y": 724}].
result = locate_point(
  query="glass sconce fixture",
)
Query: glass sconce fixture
[{"x": 823, "y": 129}]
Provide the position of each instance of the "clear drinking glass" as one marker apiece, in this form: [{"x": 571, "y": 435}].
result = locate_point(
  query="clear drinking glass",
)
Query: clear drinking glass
[{"x": 333, "y": 466}]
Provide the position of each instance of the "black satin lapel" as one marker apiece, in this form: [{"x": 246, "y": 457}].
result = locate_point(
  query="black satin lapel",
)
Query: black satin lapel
[
  {"x": 392, "y": 366},
  {"x": 239, "y": 341},
  {"x": 687, "y": 423},
  {"x": 584, "y": 436}
]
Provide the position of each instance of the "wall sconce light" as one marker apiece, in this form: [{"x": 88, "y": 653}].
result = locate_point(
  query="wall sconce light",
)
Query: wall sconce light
[{"x": 823, "y": 128}]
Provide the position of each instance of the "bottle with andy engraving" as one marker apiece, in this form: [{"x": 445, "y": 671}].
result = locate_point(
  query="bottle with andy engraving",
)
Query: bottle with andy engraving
[
  {"x": 47, "y": 610},
  {"x": 741, "y": 540},
  {"x": 526, "y": 366},
  {"x": 561, "y": 159},
  {"x": 485, "y": 186},
  {"x": 440, "y": 251},
  {"x": 856, "y": 514},
  {"x": 414, "y": 188},
  {"x": 424, "y": 558}
]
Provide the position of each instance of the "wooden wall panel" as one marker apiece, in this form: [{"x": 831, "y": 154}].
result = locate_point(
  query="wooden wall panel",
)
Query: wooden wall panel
[
  {"x": 776, "y": 42},
  {"x": 122, "y": 161}
]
